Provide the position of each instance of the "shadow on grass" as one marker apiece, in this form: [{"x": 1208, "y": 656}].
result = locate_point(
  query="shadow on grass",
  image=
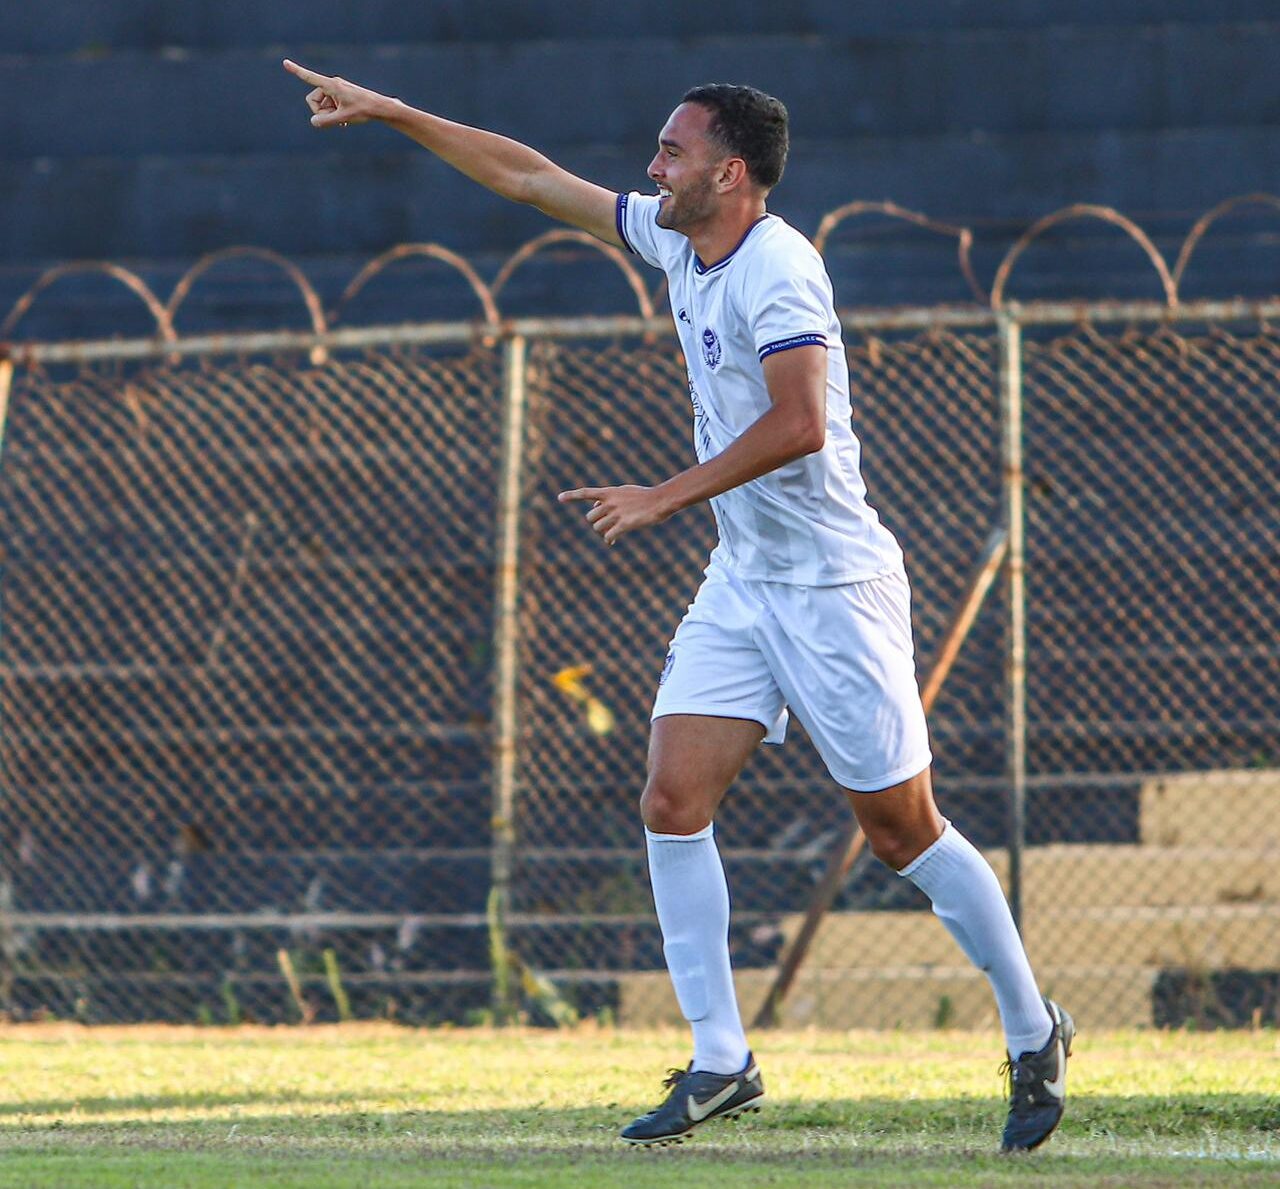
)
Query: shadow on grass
[
  {"x": 162, "y": 1102},
  {"x": 1147, "y": 1141},
  {"x": 842, "y": 1122},
  {"x": 1135, "y": 1116}
]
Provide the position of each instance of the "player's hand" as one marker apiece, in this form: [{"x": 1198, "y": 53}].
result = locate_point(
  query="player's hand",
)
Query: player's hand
[
  {"x": 334, "y": 102},
  {"x": 618, "y": 510}
]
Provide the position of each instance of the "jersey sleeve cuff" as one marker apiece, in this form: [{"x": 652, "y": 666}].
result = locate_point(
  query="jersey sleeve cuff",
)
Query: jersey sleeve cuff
[
  {"x": 795, "y": 340},
  {"x": 620, "y": 218}
]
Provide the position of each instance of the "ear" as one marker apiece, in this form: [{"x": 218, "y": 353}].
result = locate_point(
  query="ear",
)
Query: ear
[{"x": 733, "y": 173}]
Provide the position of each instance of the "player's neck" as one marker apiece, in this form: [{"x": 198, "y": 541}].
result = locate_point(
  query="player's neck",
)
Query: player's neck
[{"x": 718, "y": 237}]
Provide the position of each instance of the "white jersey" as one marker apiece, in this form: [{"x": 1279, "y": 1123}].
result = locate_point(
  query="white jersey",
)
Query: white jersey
[{"x": 808, "y": 522}]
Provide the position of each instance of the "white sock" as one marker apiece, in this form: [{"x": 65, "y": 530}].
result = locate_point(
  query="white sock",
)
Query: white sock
[
  {"x": 692, "y": 899},
  {"x": 968, "y": 899}
]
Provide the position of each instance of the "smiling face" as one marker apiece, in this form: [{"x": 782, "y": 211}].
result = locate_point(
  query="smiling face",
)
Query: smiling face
[{"x": 687, "y": 168}]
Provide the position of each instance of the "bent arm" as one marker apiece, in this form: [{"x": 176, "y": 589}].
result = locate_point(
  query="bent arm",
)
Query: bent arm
[
  {"x": 794, "y": 425},
  {"x": 505, "y": 166}
]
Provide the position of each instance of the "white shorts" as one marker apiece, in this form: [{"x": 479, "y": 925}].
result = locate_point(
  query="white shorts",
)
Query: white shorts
[{"x": 840, "y": 656}]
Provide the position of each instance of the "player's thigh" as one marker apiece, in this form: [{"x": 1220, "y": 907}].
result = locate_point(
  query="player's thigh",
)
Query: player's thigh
[
  {"x": 844, "y": 660},
  {"x": 693, "y": 759},
  {"x": 715, "y": 666},
  {"x": 717, "y": 699}
]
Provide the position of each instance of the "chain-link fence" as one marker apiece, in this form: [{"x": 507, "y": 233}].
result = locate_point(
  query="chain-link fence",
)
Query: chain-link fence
[
  {"x": 246, "y": 685},
  {"x": 316, "y": 702}
]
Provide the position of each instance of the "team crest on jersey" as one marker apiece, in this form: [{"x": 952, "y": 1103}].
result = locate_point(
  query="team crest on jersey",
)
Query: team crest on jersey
[
  {"x": 666, "y": 667},
  {"x": 711, "y": 352}
]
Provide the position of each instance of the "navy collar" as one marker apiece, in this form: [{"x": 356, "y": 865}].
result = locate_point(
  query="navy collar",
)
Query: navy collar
[{"x": 702, "y": 269}]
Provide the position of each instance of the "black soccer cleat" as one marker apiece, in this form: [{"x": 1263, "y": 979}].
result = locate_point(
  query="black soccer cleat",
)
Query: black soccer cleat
[
  {"x": 694, "y": 1099},
  {"x": 1038, "y": 1087}
]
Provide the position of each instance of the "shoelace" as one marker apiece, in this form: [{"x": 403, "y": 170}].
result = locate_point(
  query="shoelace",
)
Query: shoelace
[
  {"x": 1011, "y": 1073},
  {"x": 670, "y": 1082},
  {"x": 674, "y": 1078}
]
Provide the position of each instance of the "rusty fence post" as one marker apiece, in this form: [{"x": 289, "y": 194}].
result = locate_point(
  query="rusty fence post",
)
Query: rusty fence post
[
  {"x": 6, "y": 883},
  {"x": 1009, "y": 330},
  {"x": 506, "y": 674}
]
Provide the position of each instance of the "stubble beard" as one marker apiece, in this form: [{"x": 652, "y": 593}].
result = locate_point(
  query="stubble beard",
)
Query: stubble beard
[{"x": 693, "y": 206}]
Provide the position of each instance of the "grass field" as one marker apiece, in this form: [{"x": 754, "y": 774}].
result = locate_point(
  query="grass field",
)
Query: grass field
[{"x": 379, "y": 1106}]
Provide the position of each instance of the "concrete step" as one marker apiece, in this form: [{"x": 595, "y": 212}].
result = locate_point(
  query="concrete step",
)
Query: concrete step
[
  {"x": 96, "y": 26},
  {"x": 115, "y": 817},
  {"x": 217, "y": 881},
  {"x": 432, "y": 997},
  {"x": 211, "y": 762},
  {"x": 265, "y": 685},
  {"x": 1215, "y": 809},
  {"x": 378, "y": 945},
  {"x": 1246, "y": 936},
  {"x": 908, "y": 997},
  {"x": 1056, "y": 79},
  {"x": 297, "y": 508},
  {"x": 1060, "y": 878}
]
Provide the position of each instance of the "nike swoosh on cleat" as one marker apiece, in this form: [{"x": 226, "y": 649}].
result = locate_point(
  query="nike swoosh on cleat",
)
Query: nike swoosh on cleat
[
  {"x": 700, "y": 1110},
  {"x": 1058, "y": 1087}
]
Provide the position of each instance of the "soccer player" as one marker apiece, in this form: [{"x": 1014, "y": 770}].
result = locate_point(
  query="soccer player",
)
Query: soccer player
[{"x": 805, "y": 603}]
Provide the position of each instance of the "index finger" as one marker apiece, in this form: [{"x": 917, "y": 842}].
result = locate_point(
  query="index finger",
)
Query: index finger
[
  {"x": 307, "y": 76},
  {"x": 580, "y": 494}
]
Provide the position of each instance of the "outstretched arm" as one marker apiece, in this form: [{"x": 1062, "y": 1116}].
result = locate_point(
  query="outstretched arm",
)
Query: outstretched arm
[{"x": 505, "y": 166}]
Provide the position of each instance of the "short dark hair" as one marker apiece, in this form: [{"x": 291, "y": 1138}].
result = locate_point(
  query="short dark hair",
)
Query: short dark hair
[{"x": 750, "y": 124}]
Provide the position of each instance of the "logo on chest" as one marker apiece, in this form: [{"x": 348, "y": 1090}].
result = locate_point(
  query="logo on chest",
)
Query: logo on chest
[{"x": 712, "y": 352}]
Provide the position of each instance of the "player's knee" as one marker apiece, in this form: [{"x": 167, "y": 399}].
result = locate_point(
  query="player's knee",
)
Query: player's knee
[
  {"x": 893, "y": 848},
  {"x": 665, "y": 808}
]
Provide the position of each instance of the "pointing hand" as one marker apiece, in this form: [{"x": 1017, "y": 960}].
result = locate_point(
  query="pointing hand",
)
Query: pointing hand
[
  {"x": 618, "y": 510},
  {"x": 336, "y": 102}
]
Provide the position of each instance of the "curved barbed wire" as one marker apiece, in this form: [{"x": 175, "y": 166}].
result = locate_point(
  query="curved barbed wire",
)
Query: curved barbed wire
[
  {"x": 565, "y": 235},
  {"x": 433, "y": 252},
  {"x": 646, "y": 301},
  {"x": 310, "y": 298},
  {"x": 852, "y": 210},
  {"x": 1211, "y": 216},
  {"x": 127, "y": 277},
  {"x": 1083, "y": 210}
]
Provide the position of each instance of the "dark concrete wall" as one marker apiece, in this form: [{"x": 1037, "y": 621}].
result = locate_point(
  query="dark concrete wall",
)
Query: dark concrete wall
[
  {"x": 67, "y": 26},
  {"x": 155, "y": 132}
]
